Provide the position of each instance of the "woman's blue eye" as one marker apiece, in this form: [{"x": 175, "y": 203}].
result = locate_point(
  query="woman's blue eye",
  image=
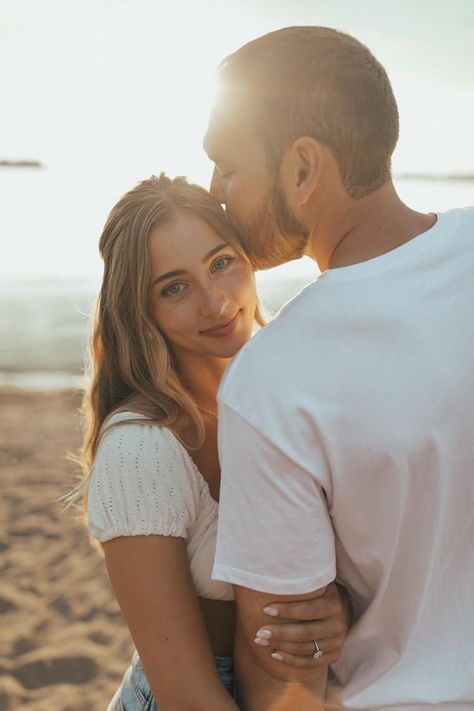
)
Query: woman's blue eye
[
  {"x": 222, "y": 263},
  {"x": 173, "y": 289}
]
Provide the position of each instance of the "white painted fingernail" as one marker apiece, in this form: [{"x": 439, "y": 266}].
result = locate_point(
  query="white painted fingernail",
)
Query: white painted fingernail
[
  {"x": 263, "y": 633},
  {"x": 277, "y": 656},
  {"x": 261, "y": 642},
  {"x": 272, "y": 611}
]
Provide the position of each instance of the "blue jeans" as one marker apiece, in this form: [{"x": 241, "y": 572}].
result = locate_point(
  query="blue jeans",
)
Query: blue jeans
[{"x": 134, "y": 694}]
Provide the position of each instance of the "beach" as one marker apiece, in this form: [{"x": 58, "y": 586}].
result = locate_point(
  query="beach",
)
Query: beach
[{"x": 64, "y": 644}]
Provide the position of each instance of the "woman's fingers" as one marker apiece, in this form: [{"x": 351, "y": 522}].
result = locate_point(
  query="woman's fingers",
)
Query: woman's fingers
[
  {"x": 317, "y": 608},
  {"x": 322, "y": 619},
  {"x": 331, "y": 652},
  {"x": 301, "y": 632},
  {"x": 331, "y": 648},
  {"x": 309, "y": 649}
]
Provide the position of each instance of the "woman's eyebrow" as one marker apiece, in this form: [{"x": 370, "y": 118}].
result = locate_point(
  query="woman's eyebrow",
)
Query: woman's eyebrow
[
  {"x": 168, "y": 275},
  {"x": 179, "y": 272},
  {"x": 214, "y": 251}
]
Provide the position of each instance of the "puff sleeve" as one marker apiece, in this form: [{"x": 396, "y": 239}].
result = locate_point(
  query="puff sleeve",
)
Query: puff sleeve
[{"x": 142, "y": 482}]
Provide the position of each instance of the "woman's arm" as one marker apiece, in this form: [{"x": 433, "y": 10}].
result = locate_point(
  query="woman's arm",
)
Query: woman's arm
[{"x": 152, "y": 582}]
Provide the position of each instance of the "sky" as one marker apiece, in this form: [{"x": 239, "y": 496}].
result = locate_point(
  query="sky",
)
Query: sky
[{"x": 106, "y": 92}]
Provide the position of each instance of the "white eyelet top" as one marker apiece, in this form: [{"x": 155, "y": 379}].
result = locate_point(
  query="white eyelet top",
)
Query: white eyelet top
[{"x": 144, "y": 482}]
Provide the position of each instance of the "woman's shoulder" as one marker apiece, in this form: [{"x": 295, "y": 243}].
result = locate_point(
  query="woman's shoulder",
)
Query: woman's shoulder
[
  {"x": 142, "y": 480},
  {"x": 131, "y": 435}
]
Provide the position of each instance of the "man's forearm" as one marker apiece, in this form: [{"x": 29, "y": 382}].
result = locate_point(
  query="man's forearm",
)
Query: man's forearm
[{"x": 273, "y": 687}]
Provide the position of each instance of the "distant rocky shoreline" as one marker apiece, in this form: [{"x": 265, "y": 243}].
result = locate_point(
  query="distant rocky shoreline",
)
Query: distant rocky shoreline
[
  {"x": 436, "y": 177},
  {"x": 21, "y": 164},
  {"x": 455, "y": 177}
]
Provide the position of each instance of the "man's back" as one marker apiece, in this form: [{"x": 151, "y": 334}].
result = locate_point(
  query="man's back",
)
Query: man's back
[{"x": 360, "y": 399}]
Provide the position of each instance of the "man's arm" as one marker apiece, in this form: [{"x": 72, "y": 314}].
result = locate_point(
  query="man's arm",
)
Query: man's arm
[
  {"x": 263, "y": 682},
  {"x": 275, "y": 537}
]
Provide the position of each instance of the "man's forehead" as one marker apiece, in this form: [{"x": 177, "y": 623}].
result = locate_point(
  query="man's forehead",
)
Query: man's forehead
[
  {"x": 227, "y": 130},
  {"x": 213, "y": 136}
]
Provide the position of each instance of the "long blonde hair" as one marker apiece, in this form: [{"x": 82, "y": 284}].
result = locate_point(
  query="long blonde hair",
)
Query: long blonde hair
[{"x": 131, "y": 361}]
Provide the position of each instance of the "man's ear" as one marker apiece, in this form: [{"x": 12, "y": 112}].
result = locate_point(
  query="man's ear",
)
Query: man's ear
[{"x": 302, "y": 169}]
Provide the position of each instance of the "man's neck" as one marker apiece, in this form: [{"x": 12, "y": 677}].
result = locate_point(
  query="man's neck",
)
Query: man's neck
[{"x": 354, "y": 231}]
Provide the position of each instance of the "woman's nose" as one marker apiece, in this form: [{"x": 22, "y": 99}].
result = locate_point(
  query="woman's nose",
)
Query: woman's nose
[
  {"x": 217, "y": 188},
  {"x": 214, "y": 301}
]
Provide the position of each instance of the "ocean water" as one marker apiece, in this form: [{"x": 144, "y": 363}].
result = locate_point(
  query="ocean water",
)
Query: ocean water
[
  {"x": 45, "y": 318},
  {"x": 45, "y": 324}
]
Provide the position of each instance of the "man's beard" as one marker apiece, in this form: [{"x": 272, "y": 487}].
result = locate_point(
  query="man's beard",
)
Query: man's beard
[{"x": 274, "y": 236}]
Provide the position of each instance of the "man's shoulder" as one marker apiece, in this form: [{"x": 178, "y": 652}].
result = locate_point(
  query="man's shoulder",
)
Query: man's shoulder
[
  {"x": 458, "y": 226},
  {"x": 261, "y": 360},
  {"x": 461, "y": 218},
  {"x": 247, "y": 364},
  {"x": 466, "y": 212}
]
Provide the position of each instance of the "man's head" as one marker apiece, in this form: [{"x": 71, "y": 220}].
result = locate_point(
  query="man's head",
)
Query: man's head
[{"x": 290, "y": 105}]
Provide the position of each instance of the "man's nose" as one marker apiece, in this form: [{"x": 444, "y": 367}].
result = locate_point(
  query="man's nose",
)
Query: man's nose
[{"x": 216, "y": 188}]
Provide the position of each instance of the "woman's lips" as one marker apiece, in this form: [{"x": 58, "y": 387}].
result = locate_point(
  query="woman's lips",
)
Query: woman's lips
[{"x": 223, "y": 329}]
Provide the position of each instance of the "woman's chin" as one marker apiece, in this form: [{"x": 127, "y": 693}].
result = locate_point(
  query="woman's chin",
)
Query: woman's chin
[
  {"x": 230, "y": 348},
  {"x": 227, "y": 353}
]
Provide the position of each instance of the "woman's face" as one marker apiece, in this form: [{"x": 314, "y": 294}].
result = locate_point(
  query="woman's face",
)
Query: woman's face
[{"x": 202, "y": 293}]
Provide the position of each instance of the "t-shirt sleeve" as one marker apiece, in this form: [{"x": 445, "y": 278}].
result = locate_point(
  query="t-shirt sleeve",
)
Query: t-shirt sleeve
[
  {"x": 141, "y": 483},
  {"x": 274, "y": 530}
]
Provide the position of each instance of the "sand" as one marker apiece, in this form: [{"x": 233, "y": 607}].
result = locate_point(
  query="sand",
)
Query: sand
[{"x": 63, "y": 643}]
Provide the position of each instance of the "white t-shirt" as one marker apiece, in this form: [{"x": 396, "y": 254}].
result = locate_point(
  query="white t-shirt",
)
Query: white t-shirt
[
  {"x": 347, "y": 446},
  {"x": 144, "y": 483}
]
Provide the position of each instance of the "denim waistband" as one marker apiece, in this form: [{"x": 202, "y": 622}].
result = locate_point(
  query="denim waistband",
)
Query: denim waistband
[{"x": 224, "y": 663}]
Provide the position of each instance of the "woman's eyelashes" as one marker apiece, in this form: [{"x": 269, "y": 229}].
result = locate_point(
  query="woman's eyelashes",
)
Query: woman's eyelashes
[
  {"x": 173, "y": 289},
  {"x": 178, "y": 287},
  {"x": 221, "y": 263}
]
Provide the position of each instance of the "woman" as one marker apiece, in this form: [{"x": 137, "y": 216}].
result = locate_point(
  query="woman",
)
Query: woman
[{"x": 178, "y": 300}]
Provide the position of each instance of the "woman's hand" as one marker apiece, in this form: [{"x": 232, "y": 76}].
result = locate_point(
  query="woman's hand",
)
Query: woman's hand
[{"x": 318, "y": 624}]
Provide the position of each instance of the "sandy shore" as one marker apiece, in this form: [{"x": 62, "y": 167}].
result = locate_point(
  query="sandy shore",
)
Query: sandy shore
[{"x": 63, "y": 643}]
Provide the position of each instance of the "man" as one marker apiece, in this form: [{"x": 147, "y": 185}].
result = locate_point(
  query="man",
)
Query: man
[{"x": 346, "y": 437}]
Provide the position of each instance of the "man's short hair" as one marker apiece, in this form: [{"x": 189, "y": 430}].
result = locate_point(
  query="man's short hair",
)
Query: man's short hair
[{"x": 318, "y": 82}]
